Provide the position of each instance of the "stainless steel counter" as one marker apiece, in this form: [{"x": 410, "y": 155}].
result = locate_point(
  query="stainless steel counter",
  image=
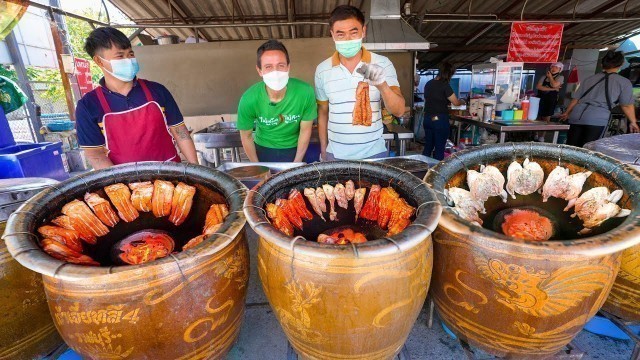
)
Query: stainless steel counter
[{"x": 503, "y": 127}]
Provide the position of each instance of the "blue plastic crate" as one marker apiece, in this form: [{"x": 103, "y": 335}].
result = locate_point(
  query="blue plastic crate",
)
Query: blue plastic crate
[{"x": 32, "y": 160}]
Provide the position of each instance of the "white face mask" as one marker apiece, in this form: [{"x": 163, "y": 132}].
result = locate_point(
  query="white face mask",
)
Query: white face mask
[
  {"x": 276, "y": 80},
  {"x": 122, "y": 69}
]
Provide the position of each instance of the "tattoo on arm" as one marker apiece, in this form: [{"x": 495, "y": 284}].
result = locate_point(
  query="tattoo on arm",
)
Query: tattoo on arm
[{"x": 182, "y": 133}]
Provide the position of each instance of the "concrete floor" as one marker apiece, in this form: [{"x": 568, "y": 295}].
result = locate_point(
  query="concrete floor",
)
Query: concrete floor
[{"x": 261, "y": 337}]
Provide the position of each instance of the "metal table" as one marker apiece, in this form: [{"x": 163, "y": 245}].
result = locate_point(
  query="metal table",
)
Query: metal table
[
  {"x": 503, "y": 127},
  {"x": 402, "y": 135}
]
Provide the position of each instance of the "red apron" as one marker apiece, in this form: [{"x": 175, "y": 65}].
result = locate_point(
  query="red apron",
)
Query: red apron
[{"x": 139, "y": 134}]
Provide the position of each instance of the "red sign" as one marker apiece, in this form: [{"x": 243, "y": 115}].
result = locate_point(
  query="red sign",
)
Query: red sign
[
  {"x": 83, "y": 75},
  {"x": 534, "y": 42}
]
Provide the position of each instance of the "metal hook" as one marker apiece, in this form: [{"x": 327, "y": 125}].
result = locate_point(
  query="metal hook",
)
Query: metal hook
[
  {"x": 636, "y": 160},
  {"x": 137, "y": 171},
  {"x": 421, "y": 183},
  {"x": 515, "y": 153},
  {"x": 560, "y": 156},
  {"x": 355, "y": 250},
  {"x": 233, "y": 192},
  {"x": 257, "y": 207},
  {"x": 251, "y": 190},
  {"x": 261, "y": 223},
  {"x": 425, "y": 203},
  {"x": 319, "y": 174},
  {"x": 359, "y": 173},
  {"x": 184, "y": 171},
  {"x": 393, "y": 242},
  {"x": 531, "y": 150},
  {"x": 460, "y": 160}
]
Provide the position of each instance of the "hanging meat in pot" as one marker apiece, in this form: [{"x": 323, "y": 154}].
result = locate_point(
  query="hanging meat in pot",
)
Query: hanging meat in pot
[
  {"x": 279, "y": 220},
  {"x": 341, "y": 196},
  {"x": 102, "y": 208},
  {"x": 214, "y": 218},
  {"x": 162, "y": 198},
  {"x": 141, "y": 194},
  {"x": 70, "y": 238},
  {"x": 371, "y": 206},
  {"x": 120, "y": 197},
  {"x": 299, "y": 205},
  {"x": 310, "y": 193},
  {"x": 181, "y": 203},
  {"x": 83, "y": 220},
  {"x": 62, "y": 252},
  {"x": 564, "y": 186},
  {"x": 328, "y": 191},
  {"x": 289, "y": 211}
]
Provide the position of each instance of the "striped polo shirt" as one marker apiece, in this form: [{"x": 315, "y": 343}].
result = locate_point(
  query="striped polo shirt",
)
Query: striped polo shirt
[{"x": 336, "y": 86}]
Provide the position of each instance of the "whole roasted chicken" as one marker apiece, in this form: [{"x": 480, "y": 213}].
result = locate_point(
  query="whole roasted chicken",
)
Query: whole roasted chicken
[
  {"x": 486, "y": 183},
  {"x": 596, "y": 206},
  {"x": 524, "y": 179},
  {"x": 564, "y": 186},
  {"x": 466, "y": 206}
]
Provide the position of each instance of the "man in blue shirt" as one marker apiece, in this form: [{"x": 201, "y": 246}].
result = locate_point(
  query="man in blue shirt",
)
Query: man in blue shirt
[{"x": 127, "y": 119}]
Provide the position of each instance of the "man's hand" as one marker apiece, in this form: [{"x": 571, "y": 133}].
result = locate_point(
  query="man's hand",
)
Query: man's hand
[
  {"x": 323, "y": 155},
  {"x": 633, "y": 127},
  {"x": 375, "y": 74},
  {"x": 549, "y": 75},
  {"x": 563, "y": 116}
]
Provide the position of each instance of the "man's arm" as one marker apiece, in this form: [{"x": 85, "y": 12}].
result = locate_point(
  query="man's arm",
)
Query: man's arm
[
  {"x": 97, "y": 157},
  {"x": 566, "y": 114},
  {"x": 323, "y": 123},
  {"x": 185, "y": 143},
  {"x": 630, "y": 112},
  {"x": 393, "y": 99},
  {"x": 303, "y": 140},
  {"x": 249, "y": 146}
]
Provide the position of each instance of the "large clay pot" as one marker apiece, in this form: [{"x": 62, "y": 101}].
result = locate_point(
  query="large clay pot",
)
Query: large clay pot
[
  {"x": 26, "y": 328},
  {"x": 345, "y": 302},
  {"x": 527, "y": 299},
  {"x": 185, "y": 306},
  {"x": 624, "y": 299}
]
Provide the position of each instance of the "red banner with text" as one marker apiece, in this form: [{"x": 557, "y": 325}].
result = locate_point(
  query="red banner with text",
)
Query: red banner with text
[
  {"x": 83, "y": 75},
  {"x": 532, "y": 42}
]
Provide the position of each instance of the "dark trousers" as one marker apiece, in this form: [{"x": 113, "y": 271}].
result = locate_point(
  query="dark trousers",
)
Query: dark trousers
[
  {"x": 266, "y": 154},
  {"x": 579, "y": 135},
  {"x": 436, "y": 133}
]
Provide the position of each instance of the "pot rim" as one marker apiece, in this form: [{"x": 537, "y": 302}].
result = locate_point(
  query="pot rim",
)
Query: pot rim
[
  {"x": 418, "y": 231},
  {"x": 21, "y": 240},
  {"x": 621, "y": 237}
]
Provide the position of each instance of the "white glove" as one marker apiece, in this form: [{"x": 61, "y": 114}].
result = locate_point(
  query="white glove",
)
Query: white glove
[{"x": 375, "y": 74}]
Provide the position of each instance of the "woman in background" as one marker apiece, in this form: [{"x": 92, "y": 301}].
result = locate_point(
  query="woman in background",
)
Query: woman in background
[
  {"x": 437, "y": 96},
  {"x": 590, "y": 109}
]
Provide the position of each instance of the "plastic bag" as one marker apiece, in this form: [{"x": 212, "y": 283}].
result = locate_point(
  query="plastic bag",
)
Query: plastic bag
[{"x": 11, "y": 96}]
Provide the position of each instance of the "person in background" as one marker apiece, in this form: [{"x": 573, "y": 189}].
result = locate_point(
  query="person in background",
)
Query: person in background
[
  {"x": 437, "y": 96},
  {"x": 548, "y": 88},
  {"x": 336, "y": 81},
  {"x": 281, "y": 109},
  {"x": 590, "y": 109},
  {"x": 127, "y": 119}
]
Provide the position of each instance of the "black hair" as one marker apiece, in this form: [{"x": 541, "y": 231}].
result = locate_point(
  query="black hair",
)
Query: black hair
[
  {"x": 612, "y": 59},
  {"x": 105, "y": 38},
  {"x": 344, "y": 12},
  {"x": 271, "y": 45},
  {"x": 446, "y": 71}
]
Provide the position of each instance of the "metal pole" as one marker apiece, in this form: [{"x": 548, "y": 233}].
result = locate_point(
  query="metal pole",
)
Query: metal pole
[
  {"x": 504, "y": 21},
  {"x": 23, "y": 81},
  {"x": 209, "y": 26},
  {"x": 65, "y": 13},
  {"x": 57, "y": 42}
]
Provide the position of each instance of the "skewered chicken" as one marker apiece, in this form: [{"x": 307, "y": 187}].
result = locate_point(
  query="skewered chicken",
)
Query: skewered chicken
[
  {"x": 328, "y": 191},
  {"x": 342, "y": 236},
  {"x": 564, "y": 186},
  {"x": 310, "y": 193},
  {"x": 141, "y": 195},
  {"x": 295, "y": 197},
  {"x": 278, "y": 219},
  {"x": 70, "y": 238},
  {"x": 350, "y": 189},
  {"x": 62, "y": 252},
  {"x": 120, "y": 197},
  {"x": 524, "y": 179},
  {"x": 358, "y": 200},
  {"x": 596, "y": 206},
  {"x": 84, "y": 221},
  {"x": 341, "y": 196},
  {"x": 102, "y": 208},
  {"x": 181, "y": 203},
  {"x": 322, "y": 199},
  {"x": 465, "y": 205},
  {"x": 486, "y": 183},
  {"x": 214, "y": 218},
  {"x": 527, "y": 225},
  {"x": 362, "y": 113},
  {"x": 162, "y": 198},
  {"x": 290, "y": 212},
  {"x": 400, "y": 216},
  {"x": 371, "y": 206},
  {"x": 193, "y": 242},
  {"x": 388, "y": 198}
]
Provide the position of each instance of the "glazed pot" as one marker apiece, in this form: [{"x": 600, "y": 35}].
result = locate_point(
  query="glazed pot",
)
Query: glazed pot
[
  {"x": 345, "y": 302},
  {"x": 26, "y": 328},
  {"x": 185, "y": 306},
  {"x": 527, "y": 299}
]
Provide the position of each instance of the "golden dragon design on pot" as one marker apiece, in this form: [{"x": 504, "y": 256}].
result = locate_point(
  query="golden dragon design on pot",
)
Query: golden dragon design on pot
[{"x": 540, "y": 293}]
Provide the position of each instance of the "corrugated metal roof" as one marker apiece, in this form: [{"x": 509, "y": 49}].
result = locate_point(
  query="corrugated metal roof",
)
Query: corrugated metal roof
[{"x": 459, "y": 42}]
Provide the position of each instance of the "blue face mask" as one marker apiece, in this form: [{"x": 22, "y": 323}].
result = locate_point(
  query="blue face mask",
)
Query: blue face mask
[
  {"x": 123, "y": 69},
  {"x": 349, "y": 48}
]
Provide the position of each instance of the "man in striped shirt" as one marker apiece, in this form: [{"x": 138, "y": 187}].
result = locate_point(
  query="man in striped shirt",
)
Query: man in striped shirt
[{"x": 336, "y": 81}]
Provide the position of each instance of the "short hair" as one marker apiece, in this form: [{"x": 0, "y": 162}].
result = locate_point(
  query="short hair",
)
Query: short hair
[
  {"x": 612, "y": 59},
  {"x": 105, "y": 38},
  {"x": 446, "y": 71},
  {"x": 269, "y": 46},
  {"x": 344, "y": 12}
]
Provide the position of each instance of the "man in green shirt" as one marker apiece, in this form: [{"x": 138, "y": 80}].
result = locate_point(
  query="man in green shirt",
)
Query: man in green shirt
[{"x": 281, "y": 109}]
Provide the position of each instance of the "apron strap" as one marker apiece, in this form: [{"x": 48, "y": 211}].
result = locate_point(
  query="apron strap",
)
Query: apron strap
[
  {"x": 103, "y": 100},
  {"x": 145, "y": 89}
]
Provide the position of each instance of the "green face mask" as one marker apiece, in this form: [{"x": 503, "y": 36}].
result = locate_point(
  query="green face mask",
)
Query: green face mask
[{"x": 349, "y": 48}]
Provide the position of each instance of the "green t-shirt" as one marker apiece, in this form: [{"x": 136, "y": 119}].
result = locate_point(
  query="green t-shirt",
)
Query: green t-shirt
[{"x": 277, "y": 125}]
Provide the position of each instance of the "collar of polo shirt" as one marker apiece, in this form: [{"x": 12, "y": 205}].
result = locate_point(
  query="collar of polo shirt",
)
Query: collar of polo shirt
[{"x": 366, "y": 57}]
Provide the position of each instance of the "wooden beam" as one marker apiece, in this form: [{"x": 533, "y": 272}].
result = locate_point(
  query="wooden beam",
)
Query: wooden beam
[{"x": 66, "y": 84}]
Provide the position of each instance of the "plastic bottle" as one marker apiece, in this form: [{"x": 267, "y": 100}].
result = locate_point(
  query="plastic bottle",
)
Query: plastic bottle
[{"x": 525, "y": 107}]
